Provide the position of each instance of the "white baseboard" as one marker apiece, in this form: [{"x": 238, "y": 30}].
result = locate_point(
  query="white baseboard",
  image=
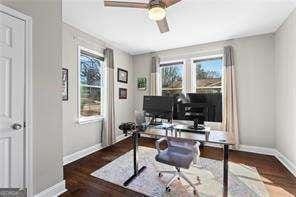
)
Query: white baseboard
[
  {"x": 82, "y": 153},
  {"x": 265, "y": 151},
  {"x": 87, "y": 151},
  {"x": 121, "y": 137},
  {"x": 53, "y": 191},
  {"x": 273, "y": 152},
  {"x": 247, "y": 148},
  {"x": 257, "y": 149},
  {"x": 286, "y": 162}
]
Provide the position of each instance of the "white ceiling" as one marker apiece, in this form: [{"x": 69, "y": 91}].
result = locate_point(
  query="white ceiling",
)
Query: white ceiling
[{"x": 191, "y": 22}]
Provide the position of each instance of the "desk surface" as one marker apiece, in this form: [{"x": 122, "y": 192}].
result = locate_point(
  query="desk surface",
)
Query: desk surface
[{"x": 217, "y": 137}]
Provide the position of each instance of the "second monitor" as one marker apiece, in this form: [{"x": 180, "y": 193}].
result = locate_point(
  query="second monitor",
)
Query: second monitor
[{"x": 158, "y": 107}]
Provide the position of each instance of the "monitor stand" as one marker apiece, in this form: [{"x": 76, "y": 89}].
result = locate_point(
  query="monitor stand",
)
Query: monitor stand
[
  {"x": 153, "y": 122},
  {"x": 196, "y": 126}
]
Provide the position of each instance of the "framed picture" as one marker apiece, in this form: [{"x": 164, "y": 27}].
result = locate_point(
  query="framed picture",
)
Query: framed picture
[
  {"x": 65, "y": 84},
  {"x": 122, "y": 75},
  {"x": 142, "y": 83},
  {"x": 122, "y": 93}
]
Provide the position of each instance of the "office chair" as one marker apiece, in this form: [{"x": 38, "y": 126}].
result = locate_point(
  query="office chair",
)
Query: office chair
[
  {"x": 180, "y": 153},
  {"x": 139, "y": 117}
]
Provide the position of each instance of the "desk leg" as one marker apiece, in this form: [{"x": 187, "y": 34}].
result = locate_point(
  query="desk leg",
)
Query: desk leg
[
  {"x": 137, "y": 171},
  {"x": 225, "y": 170}
]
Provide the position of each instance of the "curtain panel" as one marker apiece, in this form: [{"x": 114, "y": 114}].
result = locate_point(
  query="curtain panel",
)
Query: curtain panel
[
  {"x": 230, "y": 111},
  {"x": 108, "y": 135},
  {"x": 154, "y": 76}
]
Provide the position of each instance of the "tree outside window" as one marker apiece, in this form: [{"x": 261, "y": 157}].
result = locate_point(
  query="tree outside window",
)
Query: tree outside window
[
  {"x": 171, "y": 77},
  {"x": 90, "y": 84},
  {"x": 209, "y": 76}
]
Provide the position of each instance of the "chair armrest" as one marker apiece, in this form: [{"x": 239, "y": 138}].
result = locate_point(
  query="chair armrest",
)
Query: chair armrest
[
  {"x": 157, "y": 143},
  {"x": 196, "y": 148}
]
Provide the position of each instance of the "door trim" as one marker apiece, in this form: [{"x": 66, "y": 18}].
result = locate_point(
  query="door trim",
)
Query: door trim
[{"x": 28, "y": 129}]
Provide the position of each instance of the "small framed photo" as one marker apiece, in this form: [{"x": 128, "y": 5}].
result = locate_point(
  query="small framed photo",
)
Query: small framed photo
[
  {"x": 65, "y": 84},
  {"x": 142, "y": 83},
  {"x": 122, "y": 75},
  {"x": 122, "y": 93}
]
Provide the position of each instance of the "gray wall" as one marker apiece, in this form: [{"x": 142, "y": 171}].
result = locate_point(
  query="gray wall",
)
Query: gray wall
[
  {"x": 81, "y": 136},
  {"x": 254, "y": 59},
  {"x": 47, "y": 103},
  {"x": 285, "y": 76}
]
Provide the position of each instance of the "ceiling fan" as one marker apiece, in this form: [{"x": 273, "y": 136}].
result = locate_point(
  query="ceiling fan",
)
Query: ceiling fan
[{"x": 156, "y": 10}]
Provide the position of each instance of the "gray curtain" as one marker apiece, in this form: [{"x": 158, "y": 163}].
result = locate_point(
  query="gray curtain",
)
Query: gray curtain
[
  {"x": 108, "y": 136},
  {"x": 230, "y": 114},
  {"x": 153, "y": 75}
]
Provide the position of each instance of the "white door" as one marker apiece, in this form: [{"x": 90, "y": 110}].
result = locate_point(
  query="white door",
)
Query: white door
[{"x": 12, "y": 84}]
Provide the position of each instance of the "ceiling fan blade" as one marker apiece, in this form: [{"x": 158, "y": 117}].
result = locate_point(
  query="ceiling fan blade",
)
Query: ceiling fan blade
[
  {"x": 126, "y": 4},
  {"x": 163, "y": 25},
  {"x": 169, "y": 3}
]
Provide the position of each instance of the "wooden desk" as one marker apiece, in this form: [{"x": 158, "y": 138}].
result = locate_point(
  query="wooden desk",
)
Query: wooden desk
[{"x": 217, "y": 137}]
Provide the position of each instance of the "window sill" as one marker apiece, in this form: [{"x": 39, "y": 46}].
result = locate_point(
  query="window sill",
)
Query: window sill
[{"x": 90, "y": 120}]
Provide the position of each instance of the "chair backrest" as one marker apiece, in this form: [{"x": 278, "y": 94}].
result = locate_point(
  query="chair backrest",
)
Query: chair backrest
[
  {"x": 140, "y": 118},
  {"x": 171, "y": 141}
]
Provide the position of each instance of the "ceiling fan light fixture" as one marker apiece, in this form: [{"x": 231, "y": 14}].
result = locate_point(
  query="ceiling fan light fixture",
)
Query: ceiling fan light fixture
[{"x": 156, "y": 13}]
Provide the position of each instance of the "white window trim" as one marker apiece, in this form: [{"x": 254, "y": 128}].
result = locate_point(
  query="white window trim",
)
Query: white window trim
[
  {"x": 91, "y": 119},
  {"x": 96, "y": 118},
  {"x": 212, "y": 125},
  {"x": 193, "y": 69},
  {"x": 159, "y": 84}
]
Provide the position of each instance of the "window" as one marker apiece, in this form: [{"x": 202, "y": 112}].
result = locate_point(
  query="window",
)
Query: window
[
  {"x": 208, "y": 83},
  {"x": 209, "y": 75},
  {"x": 90, "y": 82},
  {"x": 171, "y": 78}
]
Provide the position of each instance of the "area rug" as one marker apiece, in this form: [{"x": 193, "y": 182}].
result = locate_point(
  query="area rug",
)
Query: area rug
[{"x": 243, "y": 180}]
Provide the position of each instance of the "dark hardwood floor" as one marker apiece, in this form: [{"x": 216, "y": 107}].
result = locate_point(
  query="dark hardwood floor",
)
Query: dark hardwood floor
[{"x": 277, "y": 179}]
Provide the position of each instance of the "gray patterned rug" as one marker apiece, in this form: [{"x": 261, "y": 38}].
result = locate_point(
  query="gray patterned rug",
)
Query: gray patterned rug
[{"x": 243, "y": 180}]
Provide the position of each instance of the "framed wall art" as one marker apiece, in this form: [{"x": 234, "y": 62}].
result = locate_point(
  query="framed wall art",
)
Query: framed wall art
[
  {"x": 122, "y": 93},
  {"x": 122, "y": 75},
  {"x": 142, "y": 83}
]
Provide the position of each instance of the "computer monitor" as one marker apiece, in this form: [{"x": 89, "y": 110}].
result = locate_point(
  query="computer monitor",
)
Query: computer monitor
[
  {"x": 197, "y": 98},
  {"x": 158, "y": 106}
]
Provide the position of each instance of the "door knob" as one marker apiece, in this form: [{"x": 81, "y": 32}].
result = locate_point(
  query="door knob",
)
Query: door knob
[{"x": 16, "y": 126}]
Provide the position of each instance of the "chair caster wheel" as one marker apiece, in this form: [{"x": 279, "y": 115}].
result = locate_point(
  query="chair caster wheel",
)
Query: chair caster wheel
[
  {"x": 168, "y": 189},
  {"x": 194, "y": 192},
  {"x": 179, "y": 178},
  {"x": 159, "y": 174}
]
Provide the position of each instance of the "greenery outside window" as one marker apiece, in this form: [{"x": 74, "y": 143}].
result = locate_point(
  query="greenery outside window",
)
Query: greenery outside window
[{"x": 171, "y": 78}]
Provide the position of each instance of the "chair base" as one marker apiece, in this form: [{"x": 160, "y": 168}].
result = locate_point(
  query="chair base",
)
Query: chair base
[{"x": 177, "y": 175}]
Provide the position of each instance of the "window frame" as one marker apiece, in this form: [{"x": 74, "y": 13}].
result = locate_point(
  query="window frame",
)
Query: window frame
[
  {"x": 214, "y": 125},
  {"x": 95, "y": 118},
  {"x": 183, "y": 74}
]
